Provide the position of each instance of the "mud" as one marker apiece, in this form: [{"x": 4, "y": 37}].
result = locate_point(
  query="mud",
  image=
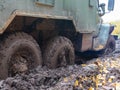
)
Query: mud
[{"x": 63, "y": 78}]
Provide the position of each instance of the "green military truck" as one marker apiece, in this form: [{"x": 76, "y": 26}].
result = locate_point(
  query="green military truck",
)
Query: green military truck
[{"x": 49, "y": 32}]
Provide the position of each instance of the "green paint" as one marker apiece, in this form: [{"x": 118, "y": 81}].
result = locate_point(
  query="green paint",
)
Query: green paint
[{"x": 83, "y": 12}]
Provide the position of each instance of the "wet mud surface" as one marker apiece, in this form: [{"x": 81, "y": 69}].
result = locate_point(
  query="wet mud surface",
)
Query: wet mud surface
[{"x": 101, "y": 73}]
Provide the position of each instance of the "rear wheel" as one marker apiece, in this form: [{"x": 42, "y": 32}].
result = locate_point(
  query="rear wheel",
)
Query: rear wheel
[
  {"x": 59, "y": 52},
  {"x": 19, "y": 53}
]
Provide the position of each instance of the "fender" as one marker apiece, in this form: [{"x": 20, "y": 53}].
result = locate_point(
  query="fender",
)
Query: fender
[{"x": 100, "y": 41}]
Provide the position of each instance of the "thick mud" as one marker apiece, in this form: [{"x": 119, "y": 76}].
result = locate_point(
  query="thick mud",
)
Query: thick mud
[
  {"x": 75, "y": 77},
  {"x": 44, "y": 78}
]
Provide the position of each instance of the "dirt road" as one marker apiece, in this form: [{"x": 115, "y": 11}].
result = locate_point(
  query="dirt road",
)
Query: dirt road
[{"x": 97, "y": 74}]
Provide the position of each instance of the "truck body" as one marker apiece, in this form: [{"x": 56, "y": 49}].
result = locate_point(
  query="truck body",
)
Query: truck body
[{"x": 77, "y": 20}]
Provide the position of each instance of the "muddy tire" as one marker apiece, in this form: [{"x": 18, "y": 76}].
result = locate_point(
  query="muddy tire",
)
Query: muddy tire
[
  {"x": 59, "y": 52},
  {"x": 110, "y": 47},
  {"x": 19, "y": 52}
]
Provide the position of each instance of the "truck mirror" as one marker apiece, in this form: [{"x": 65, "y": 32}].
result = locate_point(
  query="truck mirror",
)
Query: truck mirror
[
  {"x": 102, "y": 9},
  {"x": 111, "y": 5}
]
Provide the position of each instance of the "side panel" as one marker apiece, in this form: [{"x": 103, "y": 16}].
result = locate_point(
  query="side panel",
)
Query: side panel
[
  {"x": 29, "y": 8},
  {"x": 84, "y": 12}
]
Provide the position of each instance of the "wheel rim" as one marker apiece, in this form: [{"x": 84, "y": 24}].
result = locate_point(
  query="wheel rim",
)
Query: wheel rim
[{"x": 20, "y": 61}]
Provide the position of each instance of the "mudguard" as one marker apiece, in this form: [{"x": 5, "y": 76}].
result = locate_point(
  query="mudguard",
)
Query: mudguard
[{"x": 100, "y": 42}]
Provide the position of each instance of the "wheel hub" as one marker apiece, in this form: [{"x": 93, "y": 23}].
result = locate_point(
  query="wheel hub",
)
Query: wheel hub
[{"x": 18, "y": 65}]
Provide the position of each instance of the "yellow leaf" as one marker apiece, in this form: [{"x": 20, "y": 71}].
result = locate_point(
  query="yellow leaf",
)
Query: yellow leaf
[
  {"x": 105, "y": 70},
  {"x": 96, "y": 81},
  {"x": 107, "y": 64},
  {"x": 85, "y": 78},
  {"x": 83, "y": 65},
  {"x": 91, "y": 88},
  {"x": 112, "y": 77},
  {"x": 100, "y": 71},
  {"x": 98, "y": 63},
  {"x": 104, "y": 82},
  {"x": 76, "y": 83},
  {"x": 114, "y": 64},
  {"x": 110, "y": 80},
  {"x": 81, "y": 86},
  {"x": 65, "y": 80},
  {"x": 93, "y": 78},
  {"x": 117, "y": 86},
  {"x": 99, "y": 76},
  {"x": 80, "y": 77}
]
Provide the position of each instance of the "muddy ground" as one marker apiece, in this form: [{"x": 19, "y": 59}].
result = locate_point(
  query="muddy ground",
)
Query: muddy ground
[{"x": 101, "y": 73}]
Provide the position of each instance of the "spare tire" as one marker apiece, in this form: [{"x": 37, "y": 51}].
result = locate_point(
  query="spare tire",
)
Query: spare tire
[
  {"x": 19, "y": 52},
  {"x": 59, "y": 52}
]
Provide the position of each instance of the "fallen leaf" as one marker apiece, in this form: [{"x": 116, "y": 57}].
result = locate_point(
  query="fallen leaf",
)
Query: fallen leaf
[
  {"x": 117, "y": 86},
  {"x": 105, "y": 70},
  {"x": 91, "y": 88},
  {"x": 83, "y": 65},
  {"x": 76, "y": 83},
  {"x": 110, "y": 80},
  {"x": 65, "y": 80}
]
